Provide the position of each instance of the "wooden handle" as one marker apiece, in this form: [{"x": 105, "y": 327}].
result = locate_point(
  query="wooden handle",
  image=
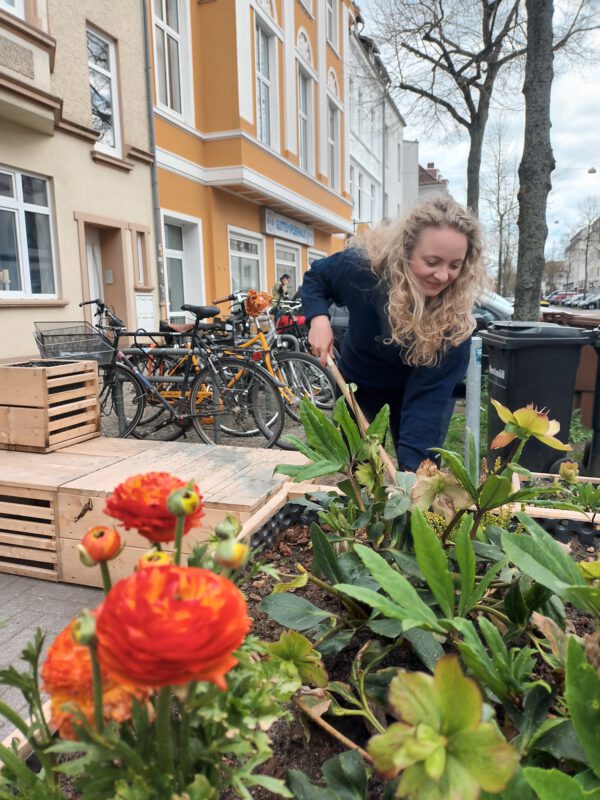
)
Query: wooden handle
[{"x": 363, "y": 423}]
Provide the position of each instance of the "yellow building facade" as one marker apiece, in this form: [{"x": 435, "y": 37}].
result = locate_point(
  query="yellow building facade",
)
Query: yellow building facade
[{"x": 251, "y": 138}]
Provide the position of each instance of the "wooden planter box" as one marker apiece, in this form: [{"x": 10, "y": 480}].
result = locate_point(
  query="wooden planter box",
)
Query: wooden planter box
[{"x": 46, "y": 404}]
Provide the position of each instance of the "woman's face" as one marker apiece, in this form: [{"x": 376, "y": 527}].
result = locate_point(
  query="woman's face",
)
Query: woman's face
[{"x": 437, "y": 259}]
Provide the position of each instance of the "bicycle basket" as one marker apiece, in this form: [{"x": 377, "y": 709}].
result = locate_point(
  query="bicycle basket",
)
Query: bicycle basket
[{"x": 73, "y": 341}]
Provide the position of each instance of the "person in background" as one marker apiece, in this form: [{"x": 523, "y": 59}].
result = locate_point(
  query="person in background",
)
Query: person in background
[
  {"x": 409, "y": 287},
  {"x": 280, "y": 290}
]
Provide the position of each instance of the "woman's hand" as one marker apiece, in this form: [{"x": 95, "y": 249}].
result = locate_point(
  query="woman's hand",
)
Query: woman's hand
[{"x": 320, "y": 338}]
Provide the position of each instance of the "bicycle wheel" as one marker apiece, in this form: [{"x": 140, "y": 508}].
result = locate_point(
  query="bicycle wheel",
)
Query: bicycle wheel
[
  {"x": 240, "y": 399},
  {"x": 122, "y": 401},
  {"x": 157, "y": 421},
  {"x": 306, "y": 378}
]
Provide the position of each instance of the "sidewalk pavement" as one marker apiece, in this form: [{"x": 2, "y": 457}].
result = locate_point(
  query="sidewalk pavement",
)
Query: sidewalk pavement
[{"x": 28, "y": 603}]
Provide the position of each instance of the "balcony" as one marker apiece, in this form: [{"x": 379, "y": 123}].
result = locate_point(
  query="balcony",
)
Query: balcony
[{"x": 26, "y": 63}]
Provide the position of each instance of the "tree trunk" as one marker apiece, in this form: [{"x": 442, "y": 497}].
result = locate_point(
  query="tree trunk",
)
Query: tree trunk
[
  {"x": 476, "y": 133},
  {"x": 537, "y": 161}
]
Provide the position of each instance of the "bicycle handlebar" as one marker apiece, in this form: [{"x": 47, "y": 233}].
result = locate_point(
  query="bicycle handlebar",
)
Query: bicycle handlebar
[
  {"x": 230, "y": 297},
  {"x": 97, "y": 301}
]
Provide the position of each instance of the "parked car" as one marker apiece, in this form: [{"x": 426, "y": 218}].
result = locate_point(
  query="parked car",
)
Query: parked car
[{"x": 571, "y": 301}]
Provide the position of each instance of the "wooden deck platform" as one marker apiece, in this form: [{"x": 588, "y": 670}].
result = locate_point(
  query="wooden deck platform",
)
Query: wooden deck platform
[{"x": 48, "y": 501}]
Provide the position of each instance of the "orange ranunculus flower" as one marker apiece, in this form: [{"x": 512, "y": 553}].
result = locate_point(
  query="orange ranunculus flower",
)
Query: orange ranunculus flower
[
  {"x": 101, "y": 543},
  {"x": 140, "y": 502},
  {"x": 171, "y": 625},
  {"x": 67, "y": 678},
  {"x": 257, "y": 302},
  {"x": 154, "y": 558}
]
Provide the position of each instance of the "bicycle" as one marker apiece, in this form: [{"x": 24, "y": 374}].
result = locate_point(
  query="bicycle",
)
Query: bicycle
[{"x": 210, "y": 397}]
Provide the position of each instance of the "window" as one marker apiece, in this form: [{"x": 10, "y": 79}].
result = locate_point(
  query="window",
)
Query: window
[
  {"x": 141, "y": 243},
  {"x": 360, "y": 200},
  {"x": 305, "y": 120},
  {"x": 26, "y": 259},
  {"x": 332, "y": 23},
  {"x": 287, "y": 262},
  {"x": 13, "y": 7},
  {"x": 245, "y": 262},
  {"x": 315, "y": 255},
  {"x": 168, "y": 53},
  {"x": 373, "y": 204},
  {"x": 174, "y": 255},
  {"x": 352, "y": 186},
  {"x": 263, "y": 86},
  {"x": 333, "y": 158},
  {"x": 103, "y": 91}
]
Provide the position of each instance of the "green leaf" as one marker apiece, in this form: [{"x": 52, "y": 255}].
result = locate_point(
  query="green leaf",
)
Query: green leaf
[
  {"x": 472, "y": 460},
  {"x": 321, "y": 433},
  {"x": 583, "y": 698},
  {"x": 13, "y": 764},
  {"x": 390, "y": 628},
  {"x": 298, "y": 650},
  {"x": 396, "y": 586},
  {"x": 558, "y": 737},
  {"x": 379, "y": 426},
  {"x": 273, "y": 785},
  {"x": 296, "y": 583},
  {"x": 584, "y": 597},
  {"x": 346, "y": 776},
  {"x": 426, "y": 646},
  {"x": 465, "y": 558},
  {"x": 324, "y": 562},
  {"x": 483, "y": 585},
  {"x": 397, "y": 504},
  {"x": 515, "y": 606},
  {"x": 551, "y": 784},
  {"x": 456, "y": 467},
  {"x": 457, "y": 697},
  {"x": 433, "y": 562},
  {"x": 311, "y": 471},
  {"x": 494, "y": 492},
  {"x": 486, "y": 757},
  {"x": 348, "y": 425},
  {"x": 293, "y": 612},
  {"x": 303, "y": 789}
]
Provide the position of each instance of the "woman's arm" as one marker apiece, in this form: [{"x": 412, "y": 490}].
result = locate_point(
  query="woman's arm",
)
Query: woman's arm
[{"x": 428, "y": 405}]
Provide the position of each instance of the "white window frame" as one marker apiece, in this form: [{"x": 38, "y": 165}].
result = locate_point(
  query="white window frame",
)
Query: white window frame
[
  {"x": 295, "y": 249},
  {"x": 18, "y": 206},
  {"x": 332, "y": 23},
  {"x": 112, "y": 75},
  {"x": 180, "y": 255},
  {"x": 18, "y": 9},
  {"x": 263, "y": 82},
  {"x": 255, "y": 238},
  {"x": 333, "y": 146},
  {"x": 193, "y": 259},
  {"x": 307, "y": 5},
  {"x": 183, "y": 37},
  {"x": 306, "y": 116}
]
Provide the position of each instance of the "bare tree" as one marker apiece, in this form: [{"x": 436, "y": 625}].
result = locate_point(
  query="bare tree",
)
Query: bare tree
[
  {"x": 589, "y": 236},
  {"x": 499, "y": 197},
  {"x": 450, "y": 54}
]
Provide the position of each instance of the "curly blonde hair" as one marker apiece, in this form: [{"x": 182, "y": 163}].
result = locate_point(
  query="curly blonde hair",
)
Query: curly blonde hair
[{"x": 426, "y": 326}]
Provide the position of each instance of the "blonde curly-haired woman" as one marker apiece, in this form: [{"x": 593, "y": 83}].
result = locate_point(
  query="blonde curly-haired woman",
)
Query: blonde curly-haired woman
[{"x": 409, "y": 287}]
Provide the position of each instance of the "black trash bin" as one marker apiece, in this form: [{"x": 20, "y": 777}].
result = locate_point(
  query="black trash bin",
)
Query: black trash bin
[{"x": 533, "y": 362}]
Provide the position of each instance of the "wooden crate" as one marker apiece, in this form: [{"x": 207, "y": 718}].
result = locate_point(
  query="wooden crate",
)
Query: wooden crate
[{"x": 46, "y": 404}]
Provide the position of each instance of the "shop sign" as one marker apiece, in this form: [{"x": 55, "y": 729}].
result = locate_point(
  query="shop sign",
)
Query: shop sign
[{"x": 286, "y": 228}]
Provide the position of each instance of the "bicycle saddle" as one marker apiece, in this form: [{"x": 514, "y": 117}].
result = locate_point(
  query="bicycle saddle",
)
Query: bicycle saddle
[{"x": 202, "y": 312}]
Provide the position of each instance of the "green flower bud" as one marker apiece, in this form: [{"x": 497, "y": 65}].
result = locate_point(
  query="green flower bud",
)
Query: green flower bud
[
  {"x": 84, "y": 629},
  {"x": 228, "y": 528},
  {"x": 183, "y": 502}
]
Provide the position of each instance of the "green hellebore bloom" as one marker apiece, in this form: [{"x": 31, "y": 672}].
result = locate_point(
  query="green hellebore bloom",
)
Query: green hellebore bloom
[{"x": 525, "y": 423}]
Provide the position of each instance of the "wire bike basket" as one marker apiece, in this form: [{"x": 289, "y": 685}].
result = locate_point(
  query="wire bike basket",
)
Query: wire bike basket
[{"x": 73, "y": 341}]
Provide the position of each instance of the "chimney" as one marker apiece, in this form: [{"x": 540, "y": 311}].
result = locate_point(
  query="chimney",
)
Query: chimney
[{"x": 431, "y": 165}]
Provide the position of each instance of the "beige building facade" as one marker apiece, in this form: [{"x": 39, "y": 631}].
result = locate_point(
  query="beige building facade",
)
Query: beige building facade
[{"x": 76, "y": 213}]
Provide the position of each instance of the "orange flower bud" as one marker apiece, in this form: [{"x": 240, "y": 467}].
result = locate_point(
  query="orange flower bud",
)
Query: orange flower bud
[
  {"x": 100, "y": 544},
  {"x": 154, "y": 558}
]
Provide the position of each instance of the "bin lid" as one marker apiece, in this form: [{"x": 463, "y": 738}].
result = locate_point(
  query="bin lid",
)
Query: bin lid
[{"x": 512, "y": 335}]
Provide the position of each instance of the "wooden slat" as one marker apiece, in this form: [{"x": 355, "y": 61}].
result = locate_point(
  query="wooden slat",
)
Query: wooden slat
[
  {"x": 83, "y": 417},
  {"x": 64, "y": 436},
  {"x": 76, "y": 405},
  {"x": 28, "y": 554},
  {"x": 23, "y": 510},
  {"x": 24, "y": 491},
  {"x": 87, "y": 389},
  {"x": 28, "y": 571},
  {"x": 42, "y": 528},
  {"x": 22, "y": 540}
]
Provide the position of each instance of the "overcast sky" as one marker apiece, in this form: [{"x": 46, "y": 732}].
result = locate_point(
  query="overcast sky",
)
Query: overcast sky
[{"x": 575, "y": 141}]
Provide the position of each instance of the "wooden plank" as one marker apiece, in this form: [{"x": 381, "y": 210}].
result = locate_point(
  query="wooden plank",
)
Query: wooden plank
[
  {"x": 24, "y": 491},
  {"x": 76, "y": 405},
  {"x": 20, "y": 540},
  {"x": 24, "y": 510},
  {"x": 81, "y": 377},
  {"x": 85, "y": 417},
  {"x": 119, "y": 448},
  {"x": 28, "y": 572},
  {"x": 40, "y": 528},
  {"x": 87, "y": 389},
  {"x": 45, "y": 472},
  {"x": 264, "y": 514},
  {"x": 58, "y": 437},
  {"x": 27, "y": 554}
]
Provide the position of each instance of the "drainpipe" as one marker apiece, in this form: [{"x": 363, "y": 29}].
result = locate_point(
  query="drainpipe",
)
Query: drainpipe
[
  {"x": 160, "y": 268},
  {"x": 384, "y": 210}
]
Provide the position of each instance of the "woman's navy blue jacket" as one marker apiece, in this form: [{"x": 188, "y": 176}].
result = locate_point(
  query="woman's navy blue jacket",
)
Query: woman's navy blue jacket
[{"x": 346, "y": 279}]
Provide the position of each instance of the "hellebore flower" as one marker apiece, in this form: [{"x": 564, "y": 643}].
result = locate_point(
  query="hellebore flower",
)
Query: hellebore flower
[
  {"x": 440, "y": 745},
  {"x": 525, "y": 423},
  {"x": 140, "y": 503},
  {"x": 67, "y": 678},
  {"x": 171, "y": 625},
  {"x": 569, "y": 472},
  {"x": 440, "y": 491},
  {"x": 99, "y": 544}
]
